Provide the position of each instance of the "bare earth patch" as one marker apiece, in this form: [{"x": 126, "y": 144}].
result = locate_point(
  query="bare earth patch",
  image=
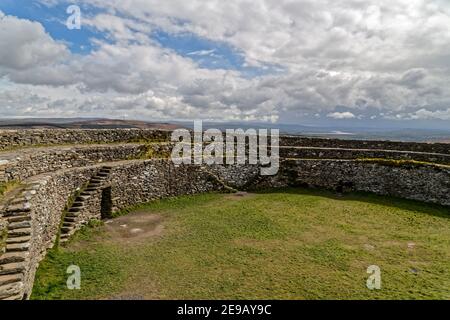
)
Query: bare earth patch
[
  {"x": 239, "y": 195},
  {"x": 136, "y": 226}
]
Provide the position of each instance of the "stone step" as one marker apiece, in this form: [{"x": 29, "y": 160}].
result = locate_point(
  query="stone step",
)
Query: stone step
[
  {"x": 18, "y": 296},
  {"x": 18, "y": 200},
  {"x": 70, "y": 219},
  {"x": 94, "y": 185},
  {"x": 19, "y": 225},
  {"x": 19, "y": 218},
  {"x": 11, "y": 268},
  {"x": 72, "y": 214},
  {"x": 13, "y": 247},
  {"x": 19, "y": 207},
  {"x": 86, "y": 193},
  {"x": 19, "y": 232},
  {"x": 77, "y": 204},
  {"x": 9, "y": 214},
  {"x": 10, "y": 278},
  {"x": 11, "y": 257},
  {"x": 66, "y": 229},
  {"x": 92, "y": 190},
  {"x": 10, "y": 289},
  {"x": 96, "y": 180},
  {"x": 65, "y": 236},
  {"x": 68, "y": 224},
  {"x": 81, "y": 198},
  {"x": 102, "y": 174},
  {"x": 18, "y": 239},
  {"x": 75, "y": 209}
]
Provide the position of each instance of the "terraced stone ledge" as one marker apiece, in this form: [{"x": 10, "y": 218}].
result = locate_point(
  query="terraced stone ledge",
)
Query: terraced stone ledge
[{"x": 22, "y": 164}]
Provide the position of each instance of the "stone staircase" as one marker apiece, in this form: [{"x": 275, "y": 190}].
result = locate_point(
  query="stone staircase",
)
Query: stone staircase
[
  {"x": 71, "y": 219},
  {"x": 14, "y": 260}
]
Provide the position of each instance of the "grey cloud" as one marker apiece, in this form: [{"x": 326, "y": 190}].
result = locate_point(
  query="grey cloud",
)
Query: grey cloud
[
  {"x": 25, "y": 44},
  {"x": 366, "y": 58}
]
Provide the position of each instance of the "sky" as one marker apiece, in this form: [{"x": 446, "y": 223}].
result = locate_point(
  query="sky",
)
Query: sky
[{"x": 354, "y": 62}]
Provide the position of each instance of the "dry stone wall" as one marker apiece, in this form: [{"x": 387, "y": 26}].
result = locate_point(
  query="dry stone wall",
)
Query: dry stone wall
[
  {"x": 34, "y": 216},
  {"x": 11, "y": 139},
  {"x": 342, "y": 153},
  {"x": 33, "y": 161},
  {"x": 423, "y": 182},
  {"x": 157, "y": 179},
  {"x": 33, "y": 219},
  {"x": 365, "y": 144},
  {"x": 109, "y": 177}
]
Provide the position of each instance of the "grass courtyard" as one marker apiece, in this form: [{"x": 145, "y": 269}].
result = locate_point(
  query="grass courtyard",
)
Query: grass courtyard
[{"x": 282, "y": 244}]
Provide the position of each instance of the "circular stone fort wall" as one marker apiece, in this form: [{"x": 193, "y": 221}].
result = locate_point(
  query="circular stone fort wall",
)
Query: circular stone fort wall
[{"x": 69, "y": 179}]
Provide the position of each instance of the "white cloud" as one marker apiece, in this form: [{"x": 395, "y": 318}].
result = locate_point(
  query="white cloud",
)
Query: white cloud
[
  {"x": 202, "y": 52},
  {"x": 424, "y": 114},
  {"x": 25, "y": 44},
  {"x": 371, "y": 58},
  {"x": 341, "y": 115}
]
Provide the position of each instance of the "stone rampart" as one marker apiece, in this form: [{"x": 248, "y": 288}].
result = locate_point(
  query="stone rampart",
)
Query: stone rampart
[
  {"x": 65, "y": 187},
  {"x": 12, "y": 139}
]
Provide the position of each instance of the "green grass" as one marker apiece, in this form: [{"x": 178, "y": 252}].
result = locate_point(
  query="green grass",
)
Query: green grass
[
  {"x": 84, "y": 143},
  {"x": 6, "y": 187},
  {"x": 402, "y": 163},
  {"x": 290, "y": 244}
]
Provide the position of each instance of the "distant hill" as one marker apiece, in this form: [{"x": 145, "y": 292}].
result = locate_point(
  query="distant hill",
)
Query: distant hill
[
  {"x": 355, "y": 133},
  {"x": 339, "y": 132},
  {"x": 83, "y": 123}
]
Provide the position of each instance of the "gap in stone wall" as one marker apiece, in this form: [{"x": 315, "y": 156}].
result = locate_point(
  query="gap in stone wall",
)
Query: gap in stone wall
[{"x": 106, "y": 203}]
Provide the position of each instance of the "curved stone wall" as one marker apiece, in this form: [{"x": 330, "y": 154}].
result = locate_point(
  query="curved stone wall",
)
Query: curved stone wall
[
  {"x": 342, "y": 153},
  {"x": 423, "y": 182},
  {"x": 33, "y": 217},
  {"x": 443, "y": 148},
  {"x": 10, "y": 139},
  {"x": 64, "y": 187},
  {"x": 29, "y": 162},
  {"x": 26, "y": 163}
]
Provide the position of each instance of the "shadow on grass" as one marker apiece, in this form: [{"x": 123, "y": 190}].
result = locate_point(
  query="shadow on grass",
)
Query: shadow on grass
[{"x": 390, "y": 201}]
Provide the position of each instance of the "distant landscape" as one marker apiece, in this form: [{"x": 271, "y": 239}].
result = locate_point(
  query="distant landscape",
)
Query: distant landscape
[
  {"x": 357, "y": 133},
  {"x": 82, "y": 123}
]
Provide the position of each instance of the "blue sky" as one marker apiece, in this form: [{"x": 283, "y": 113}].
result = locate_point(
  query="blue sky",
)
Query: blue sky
[
  {"x": 53, "y": 19},
  {"x": 291, "y": 61},
  {"x": 208, "y": 54},
  {"x": 211, "y": 55}
]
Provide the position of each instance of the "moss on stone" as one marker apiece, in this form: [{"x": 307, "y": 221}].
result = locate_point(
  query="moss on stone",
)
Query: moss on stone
[
  {"x": 155, "y": 150},
  {"x": 3, "y": 235},
  {"x": 6, "y": 187},
  {"x": 401, "y": 163}
]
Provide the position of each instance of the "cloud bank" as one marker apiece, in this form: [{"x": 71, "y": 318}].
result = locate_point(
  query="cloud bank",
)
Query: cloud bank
[{"x": 315, "y": 59}]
